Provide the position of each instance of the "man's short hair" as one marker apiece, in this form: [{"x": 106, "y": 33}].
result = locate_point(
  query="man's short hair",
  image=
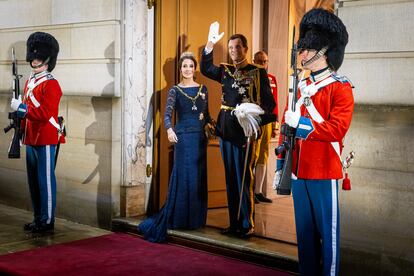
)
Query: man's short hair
[
  {"x": 242, "y": 38},
  {"x": 259, "y": 53}
]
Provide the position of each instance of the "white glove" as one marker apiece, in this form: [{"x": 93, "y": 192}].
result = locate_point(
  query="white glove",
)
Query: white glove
[
  {"x": 292, "y": 118},
  {"x": 15, "y": 103},
  {"x": 276, "y": 179},
  {"x": 213, "y": 35},
  {"x": 172, "y": 137}
]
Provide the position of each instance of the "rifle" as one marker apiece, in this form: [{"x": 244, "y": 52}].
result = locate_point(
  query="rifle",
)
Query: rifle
[
  {"x": 14, "y": 149},
  {"x": 284, "y": 186}
]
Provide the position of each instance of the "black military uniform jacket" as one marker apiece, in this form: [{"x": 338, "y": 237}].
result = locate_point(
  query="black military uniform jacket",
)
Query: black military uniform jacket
[{"x": 247, "y": 84}]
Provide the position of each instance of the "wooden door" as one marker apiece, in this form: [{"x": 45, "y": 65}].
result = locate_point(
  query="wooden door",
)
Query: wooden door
[{"x": 183, "y": 25}]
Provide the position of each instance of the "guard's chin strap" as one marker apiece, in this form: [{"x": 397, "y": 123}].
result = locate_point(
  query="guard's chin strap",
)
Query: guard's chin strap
[
  {"x": 40, "y": 65},
  {"x": 316, "y": 56}
]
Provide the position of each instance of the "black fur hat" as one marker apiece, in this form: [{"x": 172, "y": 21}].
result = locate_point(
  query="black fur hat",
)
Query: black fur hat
[
  {"x": 320, "y": 28},
  {"x": 42, "y": 46}
]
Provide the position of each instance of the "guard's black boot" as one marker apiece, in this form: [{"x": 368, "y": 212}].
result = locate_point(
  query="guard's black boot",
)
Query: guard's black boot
[
  {"x": 29, "y": 226},
  {"x": 43, "y": 228}
]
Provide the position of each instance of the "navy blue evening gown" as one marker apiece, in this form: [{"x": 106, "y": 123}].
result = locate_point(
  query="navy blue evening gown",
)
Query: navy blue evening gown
[{"x": 186, "y": 204}]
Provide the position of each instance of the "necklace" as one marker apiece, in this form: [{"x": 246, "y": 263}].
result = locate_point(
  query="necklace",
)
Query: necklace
[
  {"x": 192, "y": 99},
  {"x": 237, "y": 77}
]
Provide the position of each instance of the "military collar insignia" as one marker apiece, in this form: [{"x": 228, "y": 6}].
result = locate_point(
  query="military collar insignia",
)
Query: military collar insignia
[{"x": 321, "y": 75}]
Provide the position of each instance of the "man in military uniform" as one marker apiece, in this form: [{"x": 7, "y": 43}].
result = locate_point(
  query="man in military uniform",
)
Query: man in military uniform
[
  {"x": 241, "y": 83},
  {"x": 322, "y": 117},
  {"x": 268, "y": 132},
  {"x": 39, "y": 113}
]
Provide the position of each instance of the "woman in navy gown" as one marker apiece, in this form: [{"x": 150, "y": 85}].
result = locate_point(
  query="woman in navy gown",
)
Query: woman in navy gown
[{"x": 186, "y": 205}]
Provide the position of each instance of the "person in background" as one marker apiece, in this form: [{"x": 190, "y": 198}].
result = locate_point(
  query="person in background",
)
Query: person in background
[
  {"x": 321, "y": 118},
  {"x": 186, "y": 204},
  {"x": 39, "y": 112},
  {"x": 241, "y": 82},
  {"x": 268, "y": 132}
]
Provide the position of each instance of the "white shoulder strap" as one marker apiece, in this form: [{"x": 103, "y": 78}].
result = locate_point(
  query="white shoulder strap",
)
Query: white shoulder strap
[
  {"x": 31, "y": 86},
  {"x": 309, "y": 91}
]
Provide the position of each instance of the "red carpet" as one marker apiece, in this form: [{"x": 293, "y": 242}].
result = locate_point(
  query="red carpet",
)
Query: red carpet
[{"x": 123, "y": 254}]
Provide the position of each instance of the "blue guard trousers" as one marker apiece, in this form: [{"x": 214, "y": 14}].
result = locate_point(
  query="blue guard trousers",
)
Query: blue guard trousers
[
  {"x": 40, "y": 162},
  {"x": 317, "y": 225}
]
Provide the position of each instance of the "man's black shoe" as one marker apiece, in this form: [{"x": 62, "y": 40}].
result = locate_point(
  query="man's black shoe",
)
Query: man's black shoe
[
  {"x": 229, "y": 231},
  {"x": 29, "y": 226},
  {"x": 43, "y": 228},
  {"x": 260, "y": 197},
  {"x": 256, "y": 200},
  {"x": 246, "y": 233}
]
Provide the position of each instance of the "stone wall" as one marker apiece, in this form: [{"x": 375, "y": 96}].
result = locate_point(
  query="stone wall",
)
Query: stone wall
[
  {"x": 90, "y": 69},
  {"x": 377, "y": 227}
]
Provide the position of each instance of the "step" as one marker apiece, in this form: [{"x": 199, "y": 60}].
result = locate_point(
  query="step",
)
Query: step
[{"x": 258, "y": 250}]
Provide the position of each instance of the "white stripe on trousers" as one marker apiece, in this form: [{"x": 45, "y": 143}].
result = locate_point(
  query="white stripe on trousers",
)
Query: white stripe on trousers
[
  {"x": 48, "y": 185},
  {"x": 334, "y": 224}
]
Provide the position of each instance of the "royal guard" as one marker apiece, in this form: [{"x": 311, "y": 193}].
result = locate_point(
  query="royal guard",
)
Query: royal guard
[
  {"x": 321, "y": 118},
  {"x": 41, "y": 130}
]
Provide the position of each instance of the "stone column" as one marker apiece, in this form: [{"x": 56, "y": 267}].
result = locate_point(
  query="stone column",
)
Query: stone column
[{"x": 134, "y": 105}]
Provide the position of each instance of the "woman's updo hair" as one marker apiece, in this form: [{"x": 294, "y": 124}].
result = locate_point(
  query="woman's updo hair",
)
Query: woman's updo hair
[{"x": 187, "y": 55}]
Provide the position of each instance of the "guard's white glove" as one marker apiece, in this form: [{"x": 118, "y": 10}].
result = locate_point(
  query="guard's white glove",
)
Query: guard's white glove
[
  {"x": 292, "y": 117},
  {"x": 172, "y": 137},
  {"x": 213, "y": 35},
  {"x": 15, "y": 103},
  {"x": 276, "y": 179}
]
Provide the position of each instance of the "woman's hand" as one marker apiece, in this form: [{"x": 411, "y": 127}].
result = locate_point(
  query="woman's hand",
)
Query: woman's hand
[{"x": 172, "y": 137}]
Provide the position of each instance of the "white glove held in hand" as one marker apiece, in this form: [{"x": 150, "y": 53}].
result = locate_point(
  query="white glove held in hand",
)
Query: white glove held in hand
[
  {"x": 213, "y": 35},
  {"x": 15, "y": 103},
  {"x": 172, "y": 137},
  {"x": 292, "y": 118},
  {"x": 276, "y": 179}
]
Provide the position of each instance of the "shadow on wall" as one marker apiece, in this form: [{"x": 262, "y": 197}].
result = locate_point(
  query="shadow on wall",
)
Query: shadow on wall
[
  {"x": 99, "y": 134},
  {"x": 109, "y": 53},
  {"x": 94, "y": 134}
]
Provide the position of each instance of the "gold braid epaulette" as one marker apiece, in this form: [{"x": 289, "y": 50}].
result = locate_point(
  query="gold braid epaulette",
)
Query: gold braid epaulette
[{"x": 256, "y": 79}]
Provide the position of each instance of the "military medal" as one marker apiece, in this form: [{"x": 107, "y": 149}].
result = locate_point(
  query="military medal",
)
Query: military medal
[
  {"x": 307, "y": 101},
  {"x": 242, "y": 90}
]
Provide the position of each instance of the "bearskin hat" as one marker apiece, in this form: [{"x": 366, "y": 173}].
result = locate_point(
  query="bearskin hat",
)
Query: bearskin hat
[
  {"x": 42, "y": 46},
  {"x": 320, "y": 28}
]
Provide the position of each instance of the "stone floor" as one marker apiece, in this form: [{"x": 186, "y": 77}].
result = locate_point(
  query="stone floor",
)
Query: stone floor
[
  {"x": 257, "y": 250},
  {"x": 13, "y": 238}
]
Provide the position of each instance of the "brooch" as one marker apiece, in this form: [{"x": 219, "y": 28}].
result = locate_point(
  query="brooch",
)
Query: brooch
[{"x": 307, "y": 101}]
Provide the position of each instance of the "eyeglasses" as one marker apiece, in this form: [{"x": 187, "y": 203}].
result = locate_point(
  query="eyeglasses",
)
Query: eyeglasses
[{"x": 261, "y": 61}]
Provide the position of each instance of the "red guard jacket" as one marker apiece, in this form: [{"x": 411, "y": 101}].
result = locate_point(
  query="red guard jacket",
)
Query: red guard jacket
[
  {"x": 319, "y": 141},
  {"x": 42, "y": 104}
]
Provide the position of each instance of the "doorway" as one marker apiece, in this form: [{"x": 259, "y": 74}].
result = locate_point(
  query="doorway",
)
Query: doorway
[{"x": 183, "y": 25}]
